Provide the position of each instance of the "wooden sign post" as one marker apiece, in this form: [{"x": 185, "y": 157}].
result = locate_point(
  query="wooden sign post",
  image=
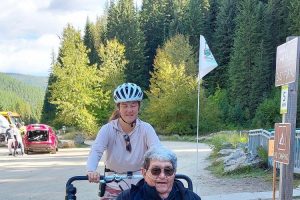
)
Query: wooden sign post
[{"x": 287, "y": 73}]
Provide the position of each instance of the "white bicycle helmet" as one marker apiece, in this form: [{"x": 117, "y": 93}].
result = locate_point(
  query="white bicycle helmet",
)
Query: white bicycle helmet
[{"x": 128, "y": 92}]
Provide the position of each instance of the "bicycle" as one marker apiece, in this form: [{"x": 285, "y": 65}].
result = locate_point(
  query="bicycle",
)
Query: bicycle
[{"x": 71, "y": 190}]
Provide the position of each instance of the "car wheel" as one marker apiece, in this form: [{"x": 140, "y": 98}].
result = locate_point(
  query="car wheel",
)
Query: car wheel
[{"x": 26, "y": 151}]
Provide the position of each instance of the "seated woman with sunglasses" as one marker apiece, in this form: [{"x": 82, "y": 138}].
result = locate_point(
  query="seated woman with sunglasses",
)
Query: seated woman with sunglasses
[
  {"x": 159, "y": 181},
  {"x": 125, "y": 139}
]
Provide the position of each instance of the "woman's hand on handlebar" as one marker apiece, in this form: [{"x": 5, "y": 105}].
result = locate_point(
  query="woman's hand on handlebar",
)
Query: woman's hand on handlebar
[{"x": 94, "y": 177}]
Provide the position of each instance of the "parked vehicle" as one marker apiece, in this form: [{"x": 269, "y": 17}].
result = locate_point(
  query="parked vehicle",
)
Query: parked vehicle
[
  {"x": 40, "y": 138},
  {"x": 4, "y": 125},
  {"x": 12, "y": 117}
]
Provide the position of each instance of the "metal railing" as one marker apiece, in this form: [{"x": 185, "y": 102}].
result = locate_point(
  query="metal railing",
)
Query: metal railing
[{"x": 261, "y": 137}]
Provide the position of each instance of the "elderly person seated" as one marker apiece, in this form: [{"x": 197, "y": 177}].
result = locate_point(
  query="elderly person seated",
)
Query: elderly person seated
[{"x": 159, "y": 181}]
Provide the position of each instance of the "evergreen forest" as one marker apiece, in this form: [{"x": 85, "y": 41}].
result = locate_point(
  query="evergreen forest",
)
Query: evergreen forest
[
  {"x": 22, "y": 94},
  {"x": 156, "y": 46}
]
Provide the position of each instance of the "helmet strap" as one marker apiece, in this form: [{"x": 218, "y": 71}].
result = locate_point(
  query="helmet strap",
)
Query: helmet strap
[{"x": 131, "y": 124}]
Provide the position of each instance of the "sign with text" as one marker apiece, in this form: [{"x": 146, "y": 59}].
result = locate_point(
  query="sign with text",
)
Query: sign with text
[
  {"x": 284, "y": 99},
  {"x": 286, "y": 62},
  {"x": 282, "y": 142}
]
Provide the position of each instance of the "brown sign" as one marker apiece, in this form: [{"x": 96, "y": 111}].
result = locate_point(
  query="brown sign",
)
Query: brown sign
[
  {"x": 282, "y": 142},
  {"x": 286, "y": 62}
]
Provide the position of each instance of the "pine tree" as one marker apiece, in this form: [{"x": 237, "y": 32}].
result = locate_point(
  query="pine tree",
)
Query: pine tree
[
  {"x": 276, "y": 30},
  {"x": 90, "y": 43},
  {"x": 194, "y": 21},
  {"x": 100, "y": 32},
  {"x": 247, "y": 68},
  {"x": 177, "y": 23},
  {"x": 294, "y": 16},
  {"x": 210, "y": 21},
  {"x": 49, "y": 110},
  {"x": 155, "y": 17},
  {"x": 222, "y": 46},
  {"x": 123, "y": 25}
]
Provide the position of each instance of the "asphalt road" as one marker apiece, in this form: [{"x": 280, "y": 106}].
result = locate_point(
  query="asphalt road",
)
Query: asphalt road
[{"x": 43, "y": 176}]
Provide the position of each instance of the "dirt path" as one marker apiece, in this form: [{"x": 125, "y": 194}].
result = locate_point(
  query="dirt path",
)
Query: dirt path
[{"x": 40, "y": 176}]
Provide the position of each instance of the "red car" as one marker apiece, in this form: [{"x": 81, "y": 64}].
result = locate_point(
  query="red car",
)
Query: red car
[{"x": 40, "y": 138}]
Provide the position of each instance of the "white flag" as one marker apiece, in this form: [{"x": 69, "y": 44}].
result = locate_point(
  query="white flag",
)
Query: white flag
[{"x": 207, "y": 61}]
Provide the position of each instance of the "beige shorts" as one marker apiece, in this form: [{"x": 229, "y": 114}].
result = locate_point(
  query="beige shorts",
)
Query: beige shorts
[{"x": 110, "y": 193}]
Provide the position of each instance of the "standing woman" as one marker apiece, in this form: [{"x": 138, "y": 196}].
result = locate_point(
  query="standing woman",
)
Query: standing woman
[{"x": 124, "y": 140}]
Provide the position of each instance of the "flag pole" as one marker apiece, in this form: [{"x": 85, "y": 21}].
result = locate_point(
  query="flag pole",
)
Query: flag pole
[
  {"x": 198, "y": 119},
  {"x": 207, "y": 63}
]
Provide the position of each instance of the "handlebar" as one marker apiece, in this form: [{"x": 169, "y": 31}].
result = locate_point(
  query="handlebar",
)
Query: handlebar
[{"x": 71, "y": 190}]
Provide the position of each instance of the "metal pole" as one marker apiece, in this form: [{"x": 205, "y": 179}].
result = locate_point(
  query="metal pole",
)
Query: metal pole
[
  {"x": 274, "y": 179},
  {"x": 287, "y": 171},
  {"x": 198, "y": 118}
]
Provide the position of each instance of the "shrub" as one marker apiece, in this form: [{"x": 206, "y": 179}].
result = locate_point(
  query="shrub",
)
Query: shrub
[{"x": 263, "y": 155}]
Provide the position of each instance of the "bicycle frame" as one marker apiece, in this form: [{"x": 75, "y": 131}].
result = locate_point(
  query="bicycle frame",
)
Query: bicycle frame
[{"x": 71, "y": 190}]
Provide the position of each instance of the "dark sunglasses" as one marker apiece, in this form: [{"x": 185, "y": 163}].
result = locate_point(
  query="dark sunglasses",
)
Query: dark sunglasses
[
  {"x": 156, "y": 171},
  {"x": 127, "y": 141}
]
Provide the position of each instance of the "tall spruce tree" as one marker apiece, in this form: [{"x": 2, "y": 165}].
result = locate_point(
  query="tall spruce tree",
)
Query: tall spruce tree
[
  {"x": 194, "y": 21},
  {"x": 90, "y": 43},
  {"x": 247, "y": 70},
  {"x": 123, "y": 25},
  {"x": 155, "y": 17},
  {"x": 222, "y": 46},
  {"x": 48, "y": 112},
  {"x": 74, "y": 91},
  {"x": 294, "y": 29},
  {"x": 276, "y": 29},
  {"x": 177, "y": 23},
  {"x": 210, "y": 20},
  {"x": 100, "y": 32},
  {"x": 294, "y": 16}
]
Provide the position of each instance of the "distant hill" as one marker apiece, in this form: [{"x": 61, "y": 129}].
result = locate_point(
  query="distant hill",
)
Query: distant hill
[
  {"x": 22, "y": 97},
  {"x": 36, "y": 81}
]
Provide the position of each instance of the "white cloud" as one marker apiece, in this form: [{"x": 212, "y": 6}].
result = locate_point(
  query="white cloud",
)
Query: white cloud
[{"x": 30, "y": 28}]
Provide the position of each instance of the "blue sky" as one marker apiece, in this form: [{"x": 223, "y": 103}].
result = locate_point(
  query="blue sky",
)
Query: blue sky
[{"x": 30, "y": 29}]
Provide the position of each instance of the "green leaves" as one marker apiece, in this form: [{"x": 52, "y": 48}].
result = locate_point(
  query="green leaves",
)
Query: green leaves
[
  {"x": 172, "y": 94},
  {"x": 74, "y": 91}
]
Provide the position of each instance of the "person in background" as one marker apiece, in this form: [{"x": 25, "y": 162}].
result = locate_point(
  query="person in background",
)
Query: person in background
[
  {"x": 159, "y": 183},
  {"x": 10, "y": 137},
  {"x": 14, "y": 139},
  {"x": 19, "y": 140},
  {"x": 124, "y": 139}
]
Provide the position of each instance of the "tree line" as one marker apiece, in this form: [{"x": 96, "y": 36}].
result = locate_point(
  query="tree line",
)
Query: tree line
[
  {"x": 21, "y": 98},
  {"x": 156, "y": 46}
]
